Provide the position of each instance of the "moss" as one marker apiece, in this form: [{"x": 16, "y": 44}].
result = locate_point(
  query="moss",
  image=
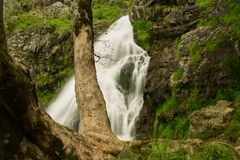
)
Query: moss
[
  {"x": 195, "y": 54},
  {"x": 208, "y": 22},
  {"x": 61, "y": 25},
  {"x": 36, "y": 18},
  {"x": 205, "y": 5},
  {"x": 215, "y": 44},
  {"x": 177, "y": 75},
  {"x": 232, "y": 17}
]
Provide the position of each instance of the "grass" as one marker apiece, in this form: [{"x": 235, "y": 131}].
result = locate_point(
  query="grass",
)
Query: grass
[
  {"x": 142, "y": 28},
  {"x": 194, "y": 54},
  {"x": 168, "y": 105},
  {"x": 205, "y": 5},
  {"x": 232, "y": 17},
  {"x": 177, "y": 75},
  {"x": 215, "y": 44},
  {"x": 212, "y": 151},
  {"x": 160, "y": 151},
  {"x": 26, "y": 19},
  {"x": 215, "y": 151},
  {"x": 106, "y": 13},
  {"x": 208, "y": 22},
  {"x": 175, "y": 128}
]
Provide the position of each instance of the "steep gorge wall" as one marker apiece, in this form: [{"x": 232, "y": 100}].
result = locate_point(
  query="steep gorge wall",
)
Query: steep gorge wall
[{"x": 191, "y": 45}]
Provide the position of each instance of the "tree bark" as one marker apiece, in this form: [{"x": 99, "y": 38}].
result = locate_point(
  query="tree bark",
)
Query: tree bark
[
  {"x": 93, "y": 115},
  {"x": 38, "y": 136}
]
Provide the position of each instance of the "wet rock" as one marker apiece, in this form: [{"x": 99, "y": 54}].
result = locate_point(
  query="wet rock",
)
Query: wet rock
[
  {"x": 211, "y": 120},
  {"x": 125, "y": 76}
]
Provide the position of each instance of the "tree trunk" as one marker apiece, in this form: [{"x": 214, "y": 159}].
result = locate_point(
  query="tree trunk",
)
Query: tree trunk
[
  {"x": 93, "y": 116},
  {"x": 27, "y": 131}
]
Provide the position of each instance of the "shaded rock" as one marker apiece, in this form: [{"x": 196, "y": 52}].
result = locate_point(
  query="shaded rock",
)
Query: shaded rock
[
  {"x": 211, "y": 120},
  {"x": 158, "y": 79},
  {"x": 176, "y": 23},
  {"x": 125, "y": 76},
  {"x": 238, "y": 150},
  {"x": 144, "y": 123}
]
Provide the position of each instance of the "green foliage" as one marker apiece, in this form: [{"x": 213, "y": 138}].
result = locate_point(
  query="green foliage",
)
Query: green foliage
[
  {"x": 106, "y": 13},
  {"x": 205, "y": 4},
  {"x": 21, "y": 22},
  {"x": 215, "y": 151},
  {"x": 168, "y": 105},
  {"x": 232, "y": 17},
  {"x": 231, "y": 64},
  {"x": 215, "y": 44},
  {"x": 233, "y": 129},
  {"x": 160, "y": 151},
  {"x": 44, "y": 96},
  {"x": 61, "y": 24},
  {"x": 66, "y": 72},
  {"x": 174, "y": 129},
  {"x": 208, "y": 22},
  {"x": 26, "y": 19},
  {"x": 195, "y": 54},
  {"x": 177, "y": 75},
  {"x": 142, "y": 28},
  {"x": 194, "y": 101}
]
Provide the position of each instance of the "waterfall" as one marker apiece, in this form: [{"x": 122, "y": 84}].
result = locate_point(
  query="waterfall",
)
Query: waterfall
[{"x": 121, "y": 68}]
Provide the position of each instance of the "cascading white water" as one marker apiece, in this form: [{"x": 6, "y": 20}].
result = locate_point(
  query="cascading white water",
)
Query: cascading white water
[{"x": 121, "y": 68}]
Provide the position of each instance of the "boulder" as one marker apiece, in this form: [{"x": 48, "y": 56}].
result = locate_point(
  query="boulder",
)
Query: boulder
[{"x": 211, "y": 120}]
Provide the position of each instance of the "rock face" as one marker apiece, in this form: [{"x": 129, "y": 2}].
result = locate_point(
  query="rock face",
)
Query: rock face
[
  {"x": 43, "y": 42},
  {"x": 187, "y": 57},
  {"x": 176, "y": 23},
  {"x": 211, "y": 120}
]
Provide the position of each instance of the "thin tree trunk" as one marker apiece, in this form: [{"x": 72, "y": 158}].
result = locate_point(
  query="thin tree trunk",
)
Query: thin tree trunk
[{"x": 93, "y": 116}]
